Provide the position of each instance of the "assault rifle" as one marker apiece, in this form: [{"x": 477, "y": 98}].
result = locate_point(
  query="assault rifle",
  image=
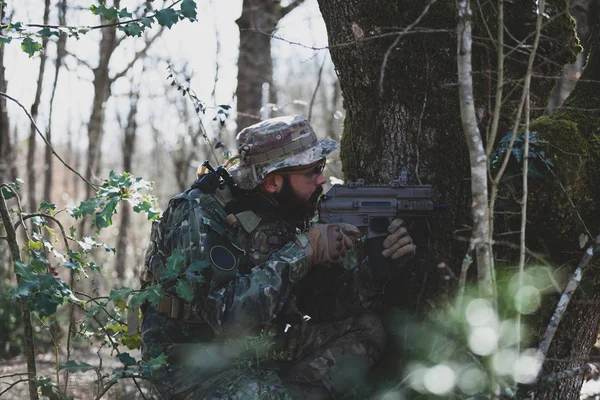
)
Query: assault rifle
[{"x": 371, "y": 208}]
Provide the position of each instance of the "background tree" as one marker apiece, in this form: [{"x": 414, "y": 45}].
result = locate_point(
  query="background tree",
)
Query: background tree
[{"x": 255, "y": 65}]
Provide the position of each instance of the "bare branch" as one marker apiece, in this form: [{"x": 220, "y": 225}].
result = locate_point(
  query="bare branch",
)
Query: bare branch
[
  {"x": 95, "y": 187},
  {"x": 138, "y": 55},
  {"x": 400, "y": 35},
  {"x": 312, "y": 99},
  {"x": 586, "y": 258}
]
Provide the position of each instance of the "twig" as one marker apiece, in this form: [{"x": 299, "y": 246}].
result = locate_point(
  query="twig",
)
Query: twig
[
  {"x": 93, "y": 26},
  {"x": 591, "y": 368},
  {"x": 138, "y": 387},
  {"x": 14, "y": 384},
  {"x": 20, "y": 213},
  {"x": 568, "y": 198},
  {"x": 586, "y": 258},
  {"x": 399, "y": 36},
  {"x": 44, "y": 215},
  {"x": 95, "y": 187},
  {"x": 312, "y": 99}
]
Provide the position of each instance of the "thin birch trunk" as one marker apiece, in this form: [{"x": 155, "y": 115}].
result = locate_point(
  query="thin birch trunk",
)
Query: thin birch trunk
[{"x": 480, "y": 241}]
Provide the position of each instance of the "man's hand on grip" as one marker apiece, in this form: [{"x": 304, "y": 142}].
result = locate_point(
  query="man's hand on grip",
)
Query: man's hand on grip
[
  {"x": 398, "y": 245},
  {"x": 327, "y": 243}
]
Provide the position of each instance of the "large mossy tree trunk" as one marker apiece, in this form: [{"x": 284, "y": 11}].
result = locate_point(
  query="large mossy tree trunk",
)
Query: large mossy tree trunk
[
  {"x": 401, "y": 102},
  {"x": 566, "y": 208},
  {"x": 402, "y": 109}
]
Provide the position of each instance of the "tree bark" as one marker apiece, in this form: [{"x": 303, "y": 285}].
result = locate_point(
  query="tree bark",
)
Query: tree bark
[
  {"x": 566, "y": 207},
  {"x": 60, "y": 53},
  {"x": 8, "y": 170},
  {"x": 31, "y": 162},
  {"x": 108, "y": 43},
  {"x": 29, "y": 345},
  {"x": 128, "y": 151},
  {"x": 255, "y": 66},
  {"x": 398, "y": 77}
]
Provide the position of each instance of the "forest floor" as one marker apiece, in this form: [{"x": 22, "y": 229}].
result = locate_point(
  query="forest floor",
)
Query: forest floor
[{"x": 81, "y": 385}]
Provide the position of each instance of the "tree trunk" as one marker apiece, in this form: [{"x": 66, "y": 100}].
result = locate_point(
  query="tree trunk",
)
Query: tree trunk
[
  {"x": 31, "y": 161},
  {"x": 255, "y": 65},
  {"x": 8, "y": 170},
  {"x": 60, "y": 53},
  {"x": 108, "y": 43},
  {"x": 567, "y": 207},
  {"x": 402, "y": 111},
  {"x": 128, "y": 151}
]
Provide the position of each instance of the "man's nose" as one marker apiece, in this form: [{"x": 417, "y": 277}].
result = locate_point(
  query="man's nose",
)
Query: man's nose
[{"x": 321, "y": 179}]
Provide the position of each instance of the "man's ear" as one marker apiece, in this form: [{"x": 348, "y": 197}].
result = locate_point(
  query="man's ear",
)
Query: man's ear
[{"x": 272, "y": 183}]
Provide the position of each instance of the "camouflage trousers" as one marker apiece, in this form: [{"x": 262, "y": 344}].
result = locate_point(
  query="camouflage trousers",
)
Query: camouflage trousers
[{"x": 327, "y": 360}]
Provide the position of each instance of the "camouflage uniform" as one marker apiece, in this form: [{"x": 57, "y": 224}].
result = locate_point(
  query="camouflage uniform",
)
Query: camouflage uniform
[{"x": 258, "y": 282}]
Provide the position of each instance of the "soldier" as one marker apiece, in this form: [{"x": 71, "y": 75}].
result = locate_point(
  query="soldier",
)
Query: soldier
[{"x": 275, "y": 314}]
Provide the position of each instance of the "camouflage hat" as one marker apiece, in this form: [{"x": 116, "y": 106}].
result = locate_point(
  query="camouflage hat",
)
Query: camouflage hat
[{"x": 274, "y": 144}]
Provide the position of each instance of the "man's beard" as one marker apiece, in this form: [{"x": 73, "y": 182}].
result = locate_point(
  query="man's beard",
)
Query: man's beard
[{"x": 292, "y": 207}]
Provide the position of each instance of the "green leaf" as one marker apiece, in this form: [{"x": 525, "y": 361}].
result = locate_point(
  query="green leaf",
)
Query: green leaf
[
  {"x": 132, "y": 29},
  {"x": 126, "y": 359},
  {"x": 103, "y": 12},
  {"x": 147, "y": 21},
  {"x": 46, "y": 31},
  {"x": 124, "y": 13},
  {"x": 85, "y": 207},
  {"x": 119, "y": 294},
  {"x": 174, "y": 265},
  {"x": 34, "y": 245},
  {"x": 5, "y": 40},
  {"x": 146, "y": 207},
  {"x": 17, "y": 26},
  {"x": 167, "y": 17},
  {"x": 73, "y": 366},
  {"x": 47, "y": 206},
  {"x": 104, "y": 217},
  {"x": 153, "y": 294},
  {"x": 132, "y": 341},
  {"x": 24, "y": 270},
  {"x": 157, "y": 362},
  {"x": 30, "y": 46},
  {"x": 193, "y": 272},
  {"x": 188, "y": 9},
  {"x": 185, "y": 290}
]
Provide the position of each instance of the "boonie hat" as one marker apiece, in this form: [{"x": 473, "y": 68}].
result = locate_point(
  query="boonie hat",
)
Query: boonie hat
[{"x": 274, "y": 144}]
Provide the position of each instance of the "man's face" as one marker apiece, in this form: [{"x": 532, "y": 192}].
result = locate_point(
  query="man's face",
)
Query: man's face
[{"x": 301, "y": 188}]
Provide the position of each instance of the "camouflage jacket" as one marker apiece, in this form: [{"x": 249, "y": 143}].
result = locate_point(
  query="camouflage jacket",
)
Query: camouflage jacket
[{"x": 255, "y": 268}]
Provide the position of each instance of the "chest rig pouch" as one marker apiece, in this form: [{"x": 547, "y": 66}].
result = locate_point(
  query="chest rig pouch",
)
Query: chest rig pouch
[{"x": 266, "y": 239}]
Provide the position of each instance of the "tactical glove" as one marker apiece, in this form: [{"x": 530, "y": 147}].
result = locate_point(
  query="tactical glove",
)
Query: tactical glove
[
  {"x": 398, "y": 245},
  {"x": 327, "y": 243}
]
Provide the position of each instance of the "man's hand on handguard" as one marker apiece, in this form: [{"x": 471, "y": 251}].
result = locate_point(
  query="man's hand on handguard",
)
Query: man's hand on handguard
[
  {"x": 327, "y": 243},
  {"x": 398, "y": 245}
]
